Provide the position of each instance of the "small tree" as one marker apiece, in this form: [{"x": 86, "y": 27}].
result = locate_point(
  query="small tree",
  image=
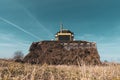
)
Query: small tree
[
  {"x": 105, "y": 61},
  {"x": 18, "y": 55}
]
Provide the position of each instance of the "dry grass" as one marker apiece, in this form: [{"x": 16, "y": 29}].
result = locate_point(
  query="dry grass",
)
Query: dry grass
[{"x": 10, "y": 70}]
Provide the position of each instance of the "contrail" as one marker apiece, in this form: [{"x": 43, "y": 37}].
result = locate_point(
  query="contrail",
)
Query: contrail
[
  {"x": 18, "y": 27},
  {"x": 44, "y": 28},
  {"x": 35, "y": 19}
]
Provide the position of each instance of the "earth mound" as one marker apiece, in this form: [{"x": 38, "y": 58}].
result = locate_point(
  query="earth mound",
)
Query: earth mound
[{"x": 60, "y": 53}]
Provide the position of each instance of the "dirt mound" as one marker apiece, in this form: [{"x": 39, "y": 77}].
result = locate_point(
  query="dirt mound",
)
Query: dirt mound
[{"x": 69, "y": 53}]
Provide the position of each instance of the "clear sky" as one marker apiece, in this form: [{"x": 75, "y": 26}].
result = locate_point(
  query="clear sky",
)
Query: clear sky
[{"x": 25, "y": 21}]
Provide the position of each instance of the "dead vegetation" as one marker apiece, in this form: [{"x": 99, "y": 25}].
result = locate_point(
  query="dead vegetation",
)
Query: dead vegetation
[{"x": 10, "y": 70}]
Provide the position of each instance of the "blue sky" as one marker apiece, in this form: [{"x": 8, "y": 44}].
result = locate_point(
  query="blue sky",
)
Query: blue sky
[{"x": 25, "y": 21}]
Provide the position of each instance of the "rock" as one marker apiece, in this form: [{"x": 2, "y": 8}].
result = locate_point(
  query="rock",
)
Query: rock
[{"x": 60, "y": 53}]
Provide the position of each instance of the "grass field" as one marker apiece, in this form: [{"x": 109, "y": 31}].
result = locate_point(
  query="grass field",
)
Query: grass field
[{"x": 10, "y": 70}]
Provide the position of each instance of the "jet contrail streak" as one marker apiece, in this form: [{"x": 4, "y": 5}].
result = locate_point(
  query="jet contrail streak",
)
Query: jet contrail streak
[
  {"x": 44, "y": 28},
  {"x": 35, "y": 19},
  {"x": 18, "y": 27}
]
